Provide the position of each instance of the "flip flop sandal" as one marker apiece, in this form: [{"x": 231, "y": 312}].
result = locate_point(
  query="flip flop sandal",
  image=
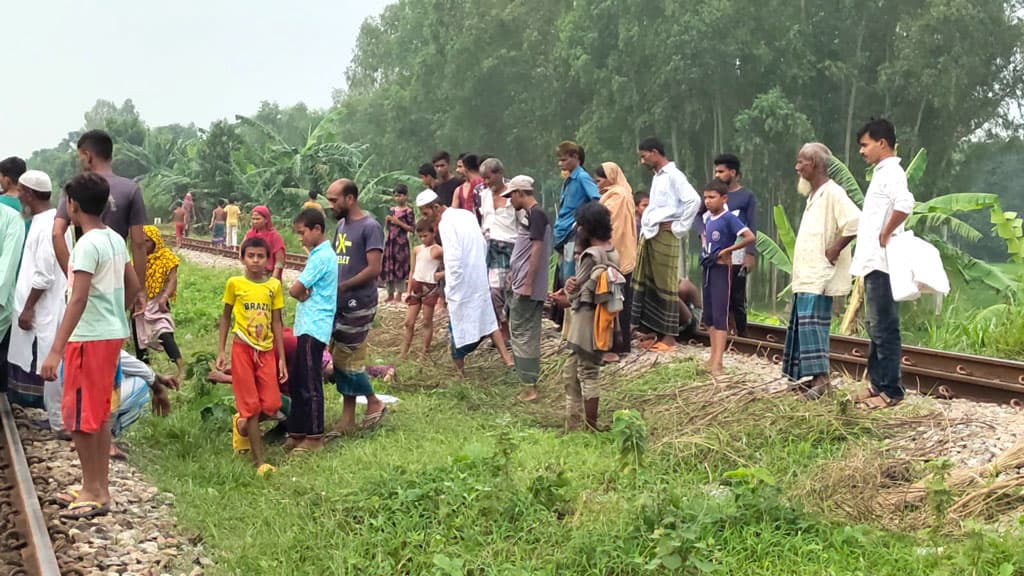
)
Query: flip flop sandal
[
  {"x": 65, "y": 498},
  {"x": 264, "y": 470},
  {"x": 662, "y": 348},
  {"x": 240, "y": 444},
  {"x": 862, "y": 395},
  {"x": 84, "y": 510},
  {"x": 372, "y": 421},
  {"x": 879, "y": 402}
]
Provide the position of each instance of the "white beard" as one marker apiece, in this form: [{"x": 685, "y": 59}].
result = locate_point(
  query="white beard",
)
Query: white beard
[{"x": 803, "y": 187}]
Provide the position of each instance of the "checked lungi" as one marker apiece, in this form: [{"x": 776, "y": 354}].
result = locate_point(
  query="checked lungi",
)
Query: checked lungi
[
  {"x": 352, "y": 324},
  {"x": 807, "y": 346},
  {"x": 656, "y": 284}
]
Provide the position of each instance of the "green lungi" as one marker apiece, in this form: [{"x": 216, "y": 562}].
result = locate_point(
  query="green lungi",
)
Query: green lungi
[
  {"x": 656, "y": 284},
  {"x": 524, "y": 324}
]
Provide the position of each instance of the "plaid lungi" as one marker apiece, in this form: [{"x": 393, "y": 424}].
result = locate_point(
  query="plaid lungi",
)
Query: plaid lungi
[
  {"x": 656, "y": 284},
  {"x": 807, "y": 345}
]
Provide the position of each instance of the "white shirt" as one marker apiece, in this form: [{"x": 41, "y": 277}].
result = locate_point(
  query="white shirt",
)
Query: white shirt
[
  {"x": 39, "y": 270},
  {"x": 672, "y": 199},
  {"x": 828, "y": 216},
  {"x": 465, "y": 277},
  {"x": 888, "y": 192},
  {"x": 498, "y": 224}
]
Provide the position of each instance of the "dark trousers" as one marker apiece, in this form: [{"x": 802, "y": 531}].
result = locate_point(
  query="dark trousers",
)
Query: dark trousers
[
  {"x": 883, "y": 322},
  {"x": 738, "y": 300},
  {"x": 306, "y": 386},
  {"x": 622, "y": 343},
  {"x": 5, "y": 344}
]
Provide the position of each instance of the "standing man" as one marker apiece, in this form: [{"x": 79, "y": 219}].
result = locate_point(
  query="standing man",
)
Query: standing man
[
  {"x": 528, "y": 278},
  {"x": 12, "y": 237},
  {"x": 499, "y": 228},
  {"x": 190, "y": 213},
  {"x": 359, "y": 244},
  {"x": 179, "y": 224},
  {"x": 10, "y": 170},
  {"x": 577, "y": 189},
  {"x": 887, "y": 204},
  {"x": 125, "y": 212},
  {"x": 669, "y": 216},
  {"x": 743, "y": 204},
  {"x": 428, "y": 175},
  {"x": 218, "y": 227},
  {"x": 821, "y": 270},
  {"x": 470, "y": 314},
  {"x": 38, "y": 295},
  {"x": 446, "y": 183},
  {"x": 231, "y": 213}
]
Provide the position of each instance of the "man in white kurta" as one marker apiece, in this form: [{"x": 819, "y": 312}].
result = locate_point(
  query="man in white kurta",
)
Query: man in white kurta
[
  {"x": 38, "y": 294},
  {"x": 470, "y": 313}
]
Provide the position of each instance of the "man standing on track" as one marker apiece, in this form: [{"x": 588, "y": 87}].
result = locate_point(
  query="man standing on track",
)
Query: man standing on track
[{"x": 231, "y": 213}]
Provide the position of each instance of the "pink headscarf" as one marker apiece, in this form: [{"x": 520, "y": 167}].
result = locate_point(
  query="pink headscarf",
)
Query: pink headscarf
[{"x": 269, "y": 235}]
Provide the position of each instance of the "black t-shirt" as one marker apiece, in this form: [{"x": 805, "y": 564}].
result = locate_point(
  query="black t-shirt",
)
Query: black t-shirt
[{"x": 446, "y": 190}]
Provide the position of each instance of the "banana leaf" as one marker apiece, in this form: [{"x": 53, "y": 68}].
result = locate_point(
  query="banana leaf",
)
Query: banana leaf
[
  {"x": 915, "y": 171},
  {"x": 841, "y": 174},
  {"x": 769, "y": 250},
  {"x": 786, "y": 234}
]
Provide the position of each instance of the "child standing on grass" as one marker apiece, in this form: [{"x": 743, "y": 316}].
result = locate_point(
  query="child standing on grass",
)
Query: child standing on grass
[
  {"x": 317, "y": 292},
  {"x": 256, "y": 302},
  {"x": 423, "y": 288},
  {"x": 721, "y": 229},
  {"x": 584, "y": 292},
  {"x": 89, "y": 339},
  {"x": 400, "y": 221}
]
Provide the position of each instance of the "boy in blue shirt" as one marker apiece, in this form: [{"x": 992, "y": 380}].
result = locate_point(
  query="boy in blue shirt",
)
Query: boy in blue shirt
[
  {"x": 317, "y": 291},
  {"x": 721, "y": 230}
]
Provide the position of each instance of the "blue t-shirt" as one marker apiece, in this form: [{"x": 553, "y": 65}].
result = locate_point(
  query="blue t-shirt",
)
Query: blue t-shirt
[
  {"x": 721, "y": 231},
  {"x": 315, "y": 316}
]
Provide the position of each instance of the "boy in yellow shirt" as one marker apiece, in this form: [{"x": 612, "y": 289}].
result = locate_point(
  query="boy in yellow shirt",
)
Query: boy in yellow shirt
[{"x": 256, "y": 303}]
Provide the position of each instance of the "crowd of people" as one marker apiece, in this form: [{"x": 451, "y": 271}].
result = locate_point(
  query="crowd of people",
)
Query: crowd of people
[{"x": 78, "y": 281}]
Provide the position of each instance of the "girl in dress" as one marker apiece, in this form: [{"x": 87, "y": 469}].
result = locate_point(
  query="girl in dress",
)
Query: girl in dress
[{"x": 399, "y": 221}]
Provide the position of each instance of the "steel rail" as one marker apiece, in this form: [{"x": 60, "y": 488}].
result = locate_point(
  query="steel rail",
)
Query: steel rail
[{"x": 38, "y": 553}]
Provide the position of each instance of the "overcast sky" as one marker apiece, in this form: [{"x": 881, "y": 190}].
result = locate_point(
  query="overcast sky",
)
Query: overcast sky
[{"x": 182, "y": 61}]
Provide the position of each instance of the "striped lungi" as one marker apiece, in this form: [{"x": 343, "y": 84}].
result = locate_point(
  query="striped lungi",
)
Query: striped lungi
[
  {"x": 656, "y": 285},
  {"x": 807, "y": 345},
  {"x": 352, "y": 324}
]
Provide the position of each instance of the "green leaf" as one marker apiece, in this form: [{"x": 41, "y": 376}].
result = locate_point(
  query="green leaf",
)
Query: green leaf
[
  {"x": 771, "y": 251},
  {"x": 672, "y": 561},
  {"x": 935, "y": 220},
  {"x": 915, "y": 171},
  {"x": 841, "y": 174},
  {"x": 786, "y": 234}
]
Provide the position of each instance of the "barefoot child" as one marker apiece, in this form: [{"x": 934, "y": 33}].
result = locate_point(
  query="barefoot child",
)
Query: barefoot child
[
  {"x": 256, "y": 302},
  {"x": 584, "y": 293},
  {"x": 317, "y": 292},
  {"x": 399, "y": 221},
  {"x": 721, "y": 229},
  {"x": 423, "y": 288},
  {"x": 155, "y": 327},
  {"x": 89, "y": 339}
]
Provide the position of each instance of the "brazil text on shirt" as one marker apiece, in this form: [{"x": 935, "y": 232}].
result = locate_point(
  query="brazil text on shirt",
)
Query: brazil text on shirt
[{"x": 256, "y": 306}]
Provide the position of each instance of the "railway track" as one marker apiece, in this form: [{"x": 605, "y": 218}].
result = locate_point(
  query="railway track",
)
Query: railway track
[
  {"x": 25, "y": 528},
  {"x": 933, "y": 372}
]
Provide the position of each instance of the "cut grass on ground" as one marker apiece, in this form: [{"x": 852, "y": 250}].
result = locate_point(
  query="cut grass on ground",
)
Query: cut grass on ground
[{"x": 461, "y": 479}]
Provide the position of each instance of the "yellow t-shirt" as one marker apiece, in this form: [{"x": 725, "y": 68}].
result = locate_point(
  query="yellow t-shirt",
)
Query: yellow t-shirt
[
  {"x": 232, "y": 212},
  {"x": 252, "y": 304}
]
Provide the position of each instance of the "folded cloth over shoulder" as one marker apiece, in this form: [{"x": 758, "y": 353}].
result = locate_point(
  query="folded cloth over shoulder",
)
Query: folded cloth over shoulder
[{"x": 915, "y": 267}]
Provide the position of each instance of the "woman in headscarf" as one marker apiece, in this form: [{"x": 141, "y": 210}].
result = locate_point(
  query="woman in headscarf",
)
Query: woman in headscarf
[
  {"x": 263, "y": 227},
  {"x": 617, "y": 197},
  {"x": 155, "y": 326}
]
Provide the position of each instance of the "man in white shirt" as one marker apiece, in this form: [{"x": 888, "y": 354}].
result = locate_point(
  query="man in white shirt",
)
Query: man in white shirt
[
  {"x": 668, "y": 217},
  {"x": 821, "y": 270},
  {"x": 38, "y": 294},
  {"x": 887, "y": 204},
  {"x": 470, "y": 313},
  {"x": 499, "y": 227}
]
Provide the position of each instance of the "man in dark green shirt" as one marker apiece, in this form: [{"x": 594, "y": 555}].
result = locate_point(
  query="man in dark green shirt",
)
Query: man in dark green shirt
[{"x": 10, "y": 170}]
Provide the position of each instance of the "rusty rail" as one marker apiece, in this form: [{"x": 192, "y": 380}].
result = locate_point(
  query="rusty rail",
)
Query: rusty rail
[
  {"x": 39, "y": 557},
  {"x": 928, "y": 371},
  {"x": 291, "y": 261}
]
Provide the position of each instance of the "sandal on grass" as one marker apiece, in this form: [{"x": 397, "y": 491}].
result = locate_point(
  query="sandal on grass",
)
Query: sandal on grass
[
  {"x": 240, "y": 444},
  {"x": 264, "y": 470},
  {"x": 85, "y": 510},
  {"x": 862, "y": 395},
  {"x": 662, "y": 348},
  {"x": 878, "y": 402},
  {"x": 371, "y": 421}
]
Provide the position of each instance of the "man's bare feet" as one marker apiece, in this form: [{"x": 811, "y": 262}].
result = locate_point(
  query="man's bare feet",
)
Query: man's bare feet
[
  {"x": 529, "y": 394},
  {"x": 310, "y": 444},
  {"x": 293, "y": 442},
  {"x": 610, "y": 357}
]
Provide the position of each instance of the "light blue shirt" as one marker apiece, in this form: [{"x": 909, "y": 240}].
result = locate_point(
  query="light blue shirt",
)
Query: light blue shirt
[{"x": 315, "y": 316}]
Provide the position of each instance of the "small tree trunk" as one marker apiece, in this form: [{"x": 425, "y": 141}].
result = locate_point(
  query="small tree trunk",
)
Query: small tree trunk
[{"x": 851, "y": 308}]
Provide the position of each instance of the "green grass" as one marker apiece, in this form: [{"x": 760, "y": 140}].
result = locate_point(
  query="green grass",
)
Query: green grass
[{"x": 463, "y": 480}]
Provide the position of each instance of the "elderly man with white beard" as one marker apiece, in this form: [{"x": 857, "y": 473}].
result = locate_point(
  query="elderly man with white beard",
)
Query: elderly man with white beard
[{"x": 821, "y": 270}]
